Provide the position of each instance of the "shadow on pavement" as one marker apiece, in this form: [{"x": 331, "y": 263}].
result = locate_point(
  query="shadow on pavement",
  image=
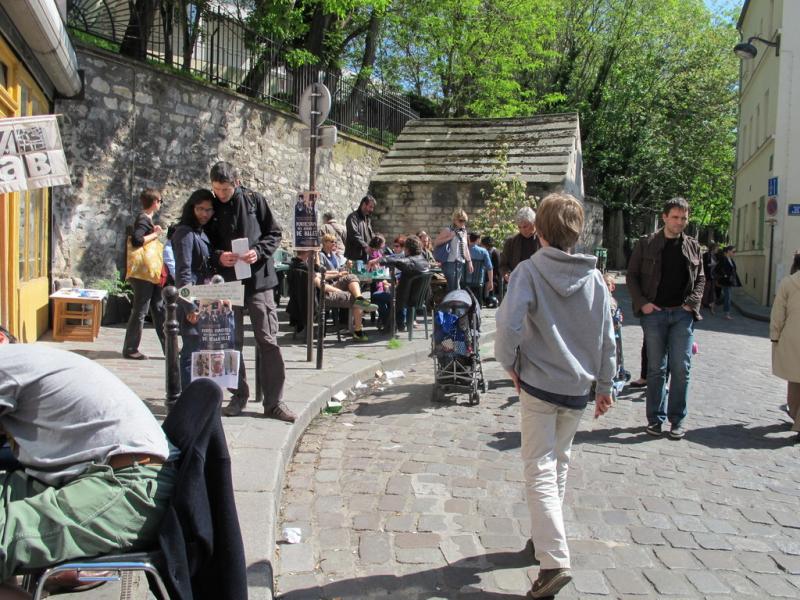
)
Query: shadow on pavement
[
  {"x": 450, "y": 581},
  {"x": 506, "y": 440},
  {"x": 734, "y": 436}
]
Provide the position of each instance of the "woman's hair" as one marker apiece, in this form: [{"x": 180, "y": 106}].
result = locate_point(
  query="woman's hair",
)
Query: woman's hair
[
  {"x": 377, "y": 242},
  {"x": 400, "y": 240},
  {"x": 328, "y": 238},
  {"x": 187, "y": 214},
  {"x": 795, "y": 263},
  {"x": 149, "y": 197},
  {"x": 459, "y": 214},
  {"x": 609, "y": 278},
  {"x": 560, "y": 220}
]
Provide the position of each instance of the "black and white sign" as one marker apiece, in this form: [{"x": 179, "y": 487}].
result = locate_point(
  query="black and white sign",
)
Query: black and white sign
[{"x": 31, "y": 155}]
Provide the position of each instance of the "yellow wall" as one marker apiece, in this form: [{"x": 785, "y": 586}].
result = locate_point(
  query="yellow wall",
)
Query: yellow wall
[{"x": 24, "y": 219}]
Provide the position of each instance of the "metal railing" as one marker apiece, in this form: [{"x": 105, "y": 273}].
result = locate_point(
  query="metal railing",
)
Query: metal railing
[{"x": 218, "y": 48}]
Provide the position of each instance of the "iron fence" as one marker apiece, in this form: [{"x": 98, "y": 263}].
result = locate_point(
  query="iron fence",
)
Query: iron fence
[{"x": 217, "y": 47}]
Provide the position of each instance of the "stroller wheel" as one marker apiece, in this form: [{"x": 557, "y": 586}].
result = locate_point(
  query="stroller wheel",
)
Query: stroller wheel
[
  {"x": 474, "y": 398},
  {"x": 484, "y": 386}
]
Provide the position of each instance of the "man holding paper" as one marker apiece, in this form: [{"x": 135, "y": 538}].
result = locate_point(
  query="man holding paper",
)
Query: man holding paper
[{"x": 244, "y": 236}]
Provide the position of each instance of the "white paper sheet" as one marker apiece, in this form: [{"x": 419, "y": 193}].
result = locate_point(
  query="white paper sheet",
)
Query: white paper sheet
[{"x": 241, "y": 246}]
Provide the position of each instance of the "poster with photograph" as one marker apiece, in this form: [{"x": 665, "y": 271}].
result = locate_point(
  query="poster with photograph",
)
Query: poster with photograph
[
  {"x": 221, "y": 366},
  {"x": 306, "y": 231},
  {"x": 217, "y": 360}
]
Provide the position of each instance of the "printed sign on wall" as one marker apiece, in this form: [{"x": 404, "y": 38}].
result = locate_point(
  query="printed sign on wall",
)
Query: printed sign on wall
[{"x": 31, "y": 155}]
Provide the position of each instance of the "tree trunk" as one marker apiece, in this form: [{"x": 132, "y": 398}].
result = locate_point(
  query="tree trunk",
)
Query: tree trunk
[
  {"x": 140, "y": 24},
  {"x": 351, "y": 106}
]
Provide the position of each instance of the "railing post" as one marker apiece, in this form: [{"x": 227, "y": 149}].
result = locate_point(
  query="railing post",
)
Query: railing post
[
  {"x": 171, "y": 329},
  {"x": 393, "y": 307},
  {"x": 321, "y": 320}
]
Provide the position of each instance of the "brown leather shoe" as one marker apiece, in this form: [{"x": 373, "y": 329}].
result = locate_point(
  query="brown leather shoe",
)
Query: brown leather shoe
[
  {"x": 70, "y": 581},
  {"x": 235, "y": 407},
  {"x": 280, "y": 412}
]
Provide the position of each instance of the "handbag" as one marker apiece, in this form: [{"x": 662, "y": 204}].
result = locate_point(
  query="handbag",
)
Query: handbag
[{"x": 145, "y": 262}]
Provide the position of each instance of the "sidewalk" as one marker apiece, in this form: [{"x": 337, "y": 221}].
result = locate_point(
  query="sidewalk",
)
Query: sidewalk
[
  {"x": 749, "y": 307},
  {"x": 261, "y": 448}
]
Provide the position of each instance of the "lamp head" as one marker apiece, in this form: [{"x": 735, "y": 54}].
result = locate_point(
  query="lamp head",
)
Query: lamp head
[{"x": 745, "y": 50}]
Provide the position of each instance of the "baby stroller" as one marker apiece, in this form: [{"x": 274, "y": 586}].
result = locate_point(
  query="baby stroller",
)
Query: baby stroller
[{"x": 456, "y": 347}]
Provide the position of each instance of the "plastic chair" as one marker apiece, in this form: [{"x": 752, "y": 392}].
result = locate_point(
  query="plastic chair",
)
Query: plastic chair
[
  {"x": 416, "y": 298},
  {"x": 476, "y": 280}
]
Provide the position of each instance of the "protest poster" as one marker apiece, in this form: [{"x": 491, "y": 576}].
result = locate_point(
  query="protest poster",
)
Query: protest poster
[
  {"x": 31, "y": 155},
  {"x": 305, "y": 230},
  {"x": 217, "y": 359}
]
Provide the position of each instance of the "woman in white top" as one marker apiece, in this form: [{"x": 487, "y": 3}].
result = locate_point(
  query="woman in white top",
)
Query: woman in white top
[{"x": 451, "y": 249}]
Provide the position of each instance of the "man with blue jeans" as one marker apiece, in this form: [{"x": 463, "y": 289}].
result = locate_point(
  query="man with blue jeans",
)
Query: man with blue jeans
[{"x": 665, "y": 280}]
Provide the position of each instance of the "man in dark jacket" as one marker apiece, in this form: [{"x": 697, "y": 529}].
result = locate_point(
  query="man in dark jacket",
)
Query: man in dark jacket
[
  {"x": 410, "y": 263},
  {"x": 665, "y": 280},
  {"x": 521, "y": 246},
  {"x": 359, "y": 230},
  {"x": 242, "y": 213}
]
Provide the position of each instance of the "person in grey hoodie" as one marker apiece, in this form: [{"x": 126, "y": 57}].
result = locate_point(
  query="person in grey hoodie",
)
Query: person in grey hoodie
[{"x": 555, "y": 338}]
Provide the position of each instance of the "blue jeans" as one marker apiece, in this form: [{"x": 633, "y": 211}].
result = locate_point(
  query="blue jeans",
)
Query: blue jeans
[
  {"x": 726, "y": 299},
  {"x": 190, "y": 343},
  {"x": 668, "y": 334},
  {"x": 453, "y": 272},
  {"x": 383, "y": 300}
]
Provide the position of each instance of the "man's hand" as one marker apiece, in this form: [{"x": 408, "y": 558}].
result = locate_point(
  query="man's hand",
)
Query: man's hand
[
  {"x": 650, "y": 308},
  {"x": 157, "y": 229},
  {"x": 373, "y": 264},
  {"x": 687, "y": 308},
  {"x": 506, "y": 276},
  {"x": 228, "y": 259},
  {"x": 249, "y": 257},
  {"x": 470, "y": 268},
  {"x": 514, "y": 378},
  {"x": 602, "y": 402},
  {"x": 489, "y": 285}
]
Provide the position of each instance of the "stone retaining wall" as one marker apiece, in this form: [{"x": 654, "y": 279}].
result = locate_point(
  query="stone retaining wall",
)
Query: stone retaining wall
[{"x": 138, "y": 126}]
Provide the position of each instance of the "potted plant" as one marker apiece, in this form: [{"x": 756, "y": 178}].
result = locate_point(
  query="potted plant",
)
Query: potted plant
[{"x": 117, "y": 305}]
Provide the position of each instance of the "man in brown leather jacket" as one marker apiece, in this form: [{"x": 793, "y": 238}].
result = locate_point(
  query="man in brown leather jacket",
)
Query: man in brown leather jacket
[{"x": 665, "y": 280}]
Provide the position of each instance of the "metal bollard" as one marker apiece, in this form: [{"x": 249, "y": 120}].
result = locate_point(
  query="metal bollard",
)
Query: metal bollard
[
  {"x": 171, "y": 329},
  {"x": 393, "y": 306},
  {"x": 321, "y": 320}
]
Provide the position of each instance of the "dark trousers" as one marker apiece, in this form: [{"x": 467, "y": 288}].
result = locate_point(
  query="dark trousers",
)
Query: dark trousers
[
  {"x": 264, "y": 318},
  {"x": 146, "y": 296}
]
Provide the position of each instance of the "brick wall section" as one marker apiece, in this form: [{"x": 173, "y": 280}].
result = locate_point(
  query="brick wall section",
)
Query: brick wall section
[{"x": 137, "y": 127}]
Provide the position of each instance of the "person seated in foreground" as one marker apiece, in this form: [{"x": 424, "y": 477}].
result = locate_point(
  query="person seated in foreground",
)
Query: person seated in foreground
[
  {"x": 95, "y": 475},
  {"x": 410, "y": 263},
  {"x": 342, "y": 290}
]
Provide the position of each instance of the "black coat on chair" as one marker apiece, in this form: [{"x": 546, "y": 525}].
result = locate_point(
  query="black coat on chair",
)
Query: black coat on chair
[{"x": 200, "y": 535}]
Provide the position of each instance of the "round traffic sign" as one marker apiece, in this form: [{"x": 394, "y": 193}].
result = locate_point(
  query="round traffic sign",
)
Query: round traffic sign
[
  {"x": 772, "y": 207},
  {"x": 323, "y": 97}
]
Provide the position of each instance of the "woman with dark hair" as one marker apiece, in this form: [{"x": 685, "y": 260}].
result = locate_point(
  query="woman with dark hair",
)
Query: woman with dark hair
[
  {"x": 710, "y": 270},
  {"x": 192, "y": 266},
  {"x": 784, "y": 333},
  {"x": 146, "y": 294},
  {"x": 727, "y": 278}
]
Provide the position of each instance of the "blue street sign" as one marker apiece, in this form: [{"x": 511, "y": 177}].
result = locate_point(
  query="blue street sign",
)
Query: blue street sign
[
  {"x": 772, "y": 185},
  {"x": 794, "y": 210}
]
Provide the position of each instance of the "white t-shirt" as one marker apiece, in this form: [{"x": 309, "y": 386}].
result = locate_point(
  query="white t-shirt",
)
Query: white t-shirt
[{"x": 65, "y": 412}]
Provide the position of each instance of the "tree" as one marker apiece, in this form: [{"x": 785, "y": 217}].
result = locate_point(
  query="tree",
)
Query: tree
[{"x": 504, "y": 196}]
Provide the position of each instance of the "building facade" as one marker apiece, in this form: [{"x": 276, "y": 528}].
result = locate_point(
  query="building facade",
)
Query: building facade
[
  {"x": 766, "y": 215},
  {"x": 37, "y": 63}
]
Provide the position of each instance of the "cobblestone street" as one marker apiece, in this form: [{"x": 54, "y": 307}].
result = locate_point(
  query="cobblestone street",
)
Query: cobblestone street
[{"x": 404, "y": 498}]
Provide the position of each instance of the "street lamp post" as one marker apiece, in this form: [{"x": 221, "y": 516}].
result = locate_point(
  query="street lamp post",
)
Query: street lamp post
[{"x": 771, "y": 222}]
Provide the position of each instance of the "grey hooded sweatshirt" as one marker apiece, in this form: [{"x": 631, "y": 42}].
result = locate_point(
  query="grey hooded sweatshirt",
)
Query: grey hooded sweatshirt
[{"x": 554, "y": 327}]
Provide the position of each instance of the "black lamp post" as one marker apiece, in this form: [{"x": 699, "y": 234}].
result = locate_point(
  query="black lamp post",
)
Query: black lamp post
[{"x": 746, "y": 50}]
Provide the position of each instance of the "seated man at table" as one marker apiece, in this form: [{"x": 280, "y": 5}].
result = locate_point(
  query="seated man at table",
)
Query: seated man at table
[
  {"x": 342, "y": 290},
  {"x": 95, "y": 476},
  {"x": 410, "y": 263}
]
